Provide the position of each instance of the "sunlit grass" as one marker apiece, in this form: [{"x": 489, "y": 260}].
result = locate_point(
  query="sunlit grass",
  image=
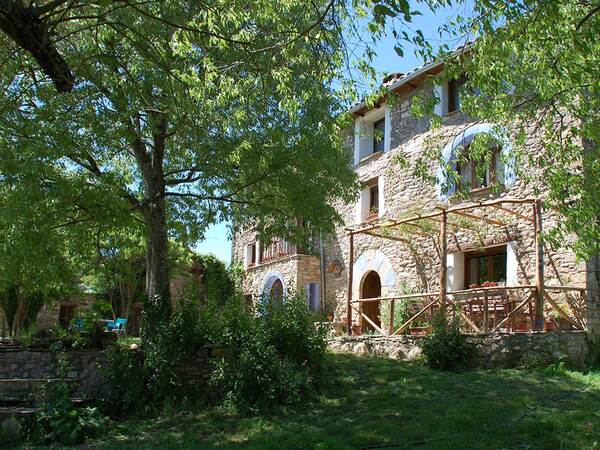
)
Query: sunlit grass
[{"x": 390, "y": 404}]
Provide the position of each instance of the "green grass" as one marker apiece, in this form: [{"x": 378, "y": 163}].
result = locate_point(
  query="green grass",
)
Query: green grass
[{"x": 381, "y": 403}]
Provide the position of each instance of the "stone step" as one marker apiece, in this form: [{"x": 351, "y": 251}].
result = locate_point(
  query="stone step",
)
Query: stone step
[
  {"x": 21, "y": 389},
  {"x": 16, "y": 411}
]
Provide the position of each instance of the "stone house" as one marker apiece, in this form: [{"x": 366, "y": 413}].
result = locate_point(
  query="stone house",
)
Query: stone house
[{"x": 491, "y": 260}]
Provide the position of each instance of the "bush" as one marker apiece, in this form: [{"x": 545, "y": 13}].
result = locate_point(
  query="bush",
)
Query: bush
[
  {"x": 278, "y": 355},
  {"x": 11, "y": 432},
  {"x": 401, "y": 313},
  {"x": 446, "y": 348},
  {"x": 125, "y": 383},
  {"x": 58, "y": 419}
]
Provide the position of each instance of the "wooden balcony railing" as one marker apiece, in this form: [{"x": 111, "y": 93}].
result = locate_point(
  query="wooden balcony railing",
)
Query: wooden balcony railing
[
  {"x": 487, "y": 310},
  {"x": 279, "y": 248}
]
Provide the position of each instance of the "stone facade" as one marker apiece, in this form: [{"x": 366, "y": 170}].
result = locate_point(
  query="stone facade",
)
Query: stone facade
[
  {"x": 415, "y": 263},
  {"x": 500, "y": 350},
  {"x": 295, "y": 271}
]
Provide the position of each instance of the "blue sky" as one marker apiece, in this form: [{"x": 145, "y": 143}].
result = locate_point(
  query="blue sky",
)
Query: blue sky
[{"x": 216, "y": 240}]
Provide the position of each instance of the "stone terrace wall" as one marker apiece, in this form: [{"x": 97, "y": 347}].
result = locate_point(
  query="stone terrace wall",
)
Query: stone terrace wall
[
  {"x": 493, "y": 351},
  {"x": 41, "y": 364},
  {"x": 86, "y": 366}
]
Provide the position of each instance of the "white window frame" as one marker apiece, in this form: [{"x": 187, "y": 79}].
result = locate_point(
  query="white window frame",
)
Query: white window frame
[
  {"x": 364, "y": 200},
  {"x": 364, "y": 133}
]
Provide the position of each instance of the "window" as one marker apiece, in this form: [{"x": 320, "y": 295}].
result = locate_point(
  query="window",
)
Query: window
[
  {"x": 379, "y": 135},
  {"x": 251, "y": 256},
  {"x": 454, "y": 88},
  {"x": 475, "y": 175},
  {"x": 371, "y": 133},
  {"x": 486, "y": 266},
  {"x": 312, "y": 296},
  {"x": 373, "y": 200}
]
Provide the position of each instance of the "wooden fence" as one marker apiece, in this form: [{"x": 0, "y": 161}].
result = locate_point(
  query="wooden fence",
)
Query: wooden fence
[{"x": 485, "y": 310}]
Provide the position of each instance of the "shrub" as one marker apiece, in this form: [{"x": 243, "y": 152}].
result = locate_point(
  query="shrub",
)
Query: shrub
[
  {"x": 401, "y": 313},
  {"x": 58, "y": 419},
  {"x": 138, "y": 380},
  {"x": 278, "y": 355},
  {"x": 11, "y": 432},
  {"x": 446, "y": 348},
  {"x": 125, "y": 384}
]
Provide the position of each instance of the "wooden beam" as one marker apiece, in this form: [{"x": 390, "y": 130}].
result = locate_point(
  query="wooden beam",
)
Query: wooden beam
[
  {"x": 514, "y": 213},
  {"x": 480, "y": 218},
  {"x": 539, "y": 266},
  {"x": 514, "y": 312},
  {"x": 398, "y": 297},
  {"x": 454, "y": 209},
  {"x": 561, "y": 312},
  {"x": 486, "y": 313},
  {"x": 493, "y": 288},
  {"x": 415, "y": 317},
  {"x": 373, "y": 324},
  {"x": 393, "y": 238},
  {"x": 443, "y": 261},
  {"x": 391, "y": 324},
  {"x": 473, "y": 205},
  {"x": 393, "y": 223},
  {"x": 349, "y": 294}
]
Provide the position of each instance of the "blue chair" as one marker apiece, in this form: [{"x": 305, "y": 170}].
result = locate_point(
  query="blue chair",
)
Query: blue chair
[
  {"x": 110, "y": 325},
  {"x": 120, "y": 325},
  {"x": 77, "y": 324}
]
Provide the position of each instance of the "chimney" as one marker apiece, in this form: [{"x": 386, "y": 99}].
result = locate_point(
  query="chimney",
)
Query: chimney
[{"x": 392, "y": 78}]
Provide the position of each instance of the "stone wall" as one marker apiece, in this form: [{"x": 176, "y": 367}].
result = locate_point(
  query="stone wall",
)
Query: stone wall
[
  {"x": 30, "y": 364},
  {"x": 500, "y": 350}
]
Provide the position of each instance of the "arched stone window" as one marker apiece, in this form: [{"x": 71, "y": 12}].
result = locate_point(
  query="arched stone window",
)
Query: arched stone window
[
  {"x": 501, "y": 168},
  {"x": 273, "y": 286}
]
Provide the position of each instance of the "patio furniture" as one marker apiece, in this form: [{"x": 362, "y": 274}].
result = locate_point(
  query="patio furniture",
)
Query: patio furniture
[
  {"x": 77, "y": 324},
  {"x": 119, "y": 325}
]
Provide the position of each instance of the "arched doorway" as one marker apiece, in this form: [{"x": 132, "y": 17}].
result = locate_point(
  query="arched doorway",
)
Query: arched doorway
[
  {"x": 371, "y": 288},
  {"x": 276, "y": 292}
]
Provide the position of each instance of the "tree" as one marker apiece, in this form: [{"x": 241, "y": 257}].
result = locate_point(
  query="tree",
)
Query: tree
[
  {"x": 36, "y": 262},
  {"x": 186, "y": 127}
]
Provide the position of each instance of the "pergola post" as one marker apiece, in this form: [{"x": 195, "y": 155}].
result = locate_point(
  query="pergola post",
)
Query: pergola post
[
  {"x": 443, "y": 261},
  {"x": 350, "y": 282},
  {"x": 539, "y": 266}
]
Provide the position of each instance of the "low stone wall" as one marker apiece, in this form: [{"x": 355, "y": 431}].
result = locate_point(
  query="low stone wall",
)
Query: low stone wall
[
  {"x": 199, "y": 368},
  {"x": 493, "y": 351},
  {"x": 19, "y": 364},
  {"x": 16, "y": 363}
]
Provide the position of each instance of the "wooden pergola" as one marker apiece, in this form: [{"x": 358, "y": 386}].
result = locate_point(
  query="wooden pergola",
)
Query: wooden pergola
[{"x": 539, "y": 293}]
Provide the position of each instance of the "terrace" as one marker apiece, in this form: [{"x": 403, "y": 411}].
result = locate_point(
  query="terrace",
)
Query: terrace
[{"x": 489, "y": 307}]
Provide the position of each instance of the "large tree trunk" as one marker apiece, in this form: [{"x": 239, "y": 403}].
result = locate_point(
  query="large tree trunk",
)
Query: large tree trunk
[
  {"x": 158, "y": 306},
  {"x": 157, "y": 310}
]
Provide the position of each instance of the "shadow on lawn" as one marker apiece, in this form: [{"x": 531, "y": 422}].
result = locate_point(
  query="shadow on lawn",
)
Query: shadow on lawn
[{"x": 380, "y": 403}]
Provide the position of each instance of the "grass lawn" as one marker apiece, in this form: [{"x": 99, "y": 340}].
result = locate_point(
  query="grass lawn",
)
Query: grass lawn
[{"x": 379, "y": 403}]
